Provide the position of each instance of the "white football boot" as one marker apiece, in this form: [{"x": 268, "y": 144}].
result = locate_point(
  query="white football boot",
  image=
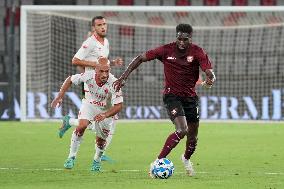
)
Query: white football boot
[{"x": 188, "y": 166}]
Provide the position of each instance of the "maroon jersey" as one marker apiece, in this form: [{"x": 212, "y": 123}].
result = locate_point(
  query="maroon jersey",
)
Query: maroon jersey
[{"x": 181, "y": 70}]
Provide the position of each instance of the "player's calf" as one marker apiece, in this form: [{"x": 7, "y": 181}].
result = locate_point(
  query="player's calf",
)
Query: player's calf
[
  {"x": 190, "y": 147},
  {"x": 171, "y": 142}
]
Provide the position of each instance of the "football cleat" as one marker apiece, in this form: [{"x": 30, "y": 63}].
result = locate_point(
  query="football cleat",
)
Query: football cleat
[
  {"x": 69, "y": 163},
  {"x": 188, "y": 166},
  {"x": 106, "y": 158},
  {"x": 65, "y": 126},
  {"x": 96, "y": 166}
]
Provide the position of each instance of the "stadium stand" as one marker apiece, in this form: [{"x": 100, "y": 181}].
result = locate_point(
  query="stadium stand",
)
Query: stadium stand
[
  {"x": 137, "y": 34},
  {"x": 268, "y": 2},
  {"x": 211, "y": 2},
  {"x": 152, "y": 18},
  {"x": 125, "y": 2}
]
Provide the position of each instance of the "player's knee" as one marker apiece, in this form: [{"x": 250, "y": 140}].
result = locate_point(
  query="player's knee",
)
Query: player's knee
[
  {"x": 80, "y": 131},
  {"x": 181, "y": 133},
  {"x": 182, "y": 130},
  {"x": 101, "y": 143}
]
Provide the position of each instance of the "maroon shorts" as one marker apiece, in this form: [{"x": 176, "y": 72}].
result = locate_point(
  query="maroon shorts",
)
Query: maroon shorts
[{"x": 182, "y": 106}]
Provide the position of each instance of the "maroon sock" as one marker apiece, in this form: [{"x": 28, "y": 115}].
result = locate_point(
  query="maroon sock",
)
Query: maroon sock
[
  {"x": 171, "y": 142},
  {"x": 190, "y": 148}
]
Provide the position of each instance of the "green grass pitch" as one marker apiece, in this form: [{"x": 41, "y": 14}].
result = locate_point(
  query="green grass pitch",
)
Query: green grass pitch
[{"x": 228, "y": 155}]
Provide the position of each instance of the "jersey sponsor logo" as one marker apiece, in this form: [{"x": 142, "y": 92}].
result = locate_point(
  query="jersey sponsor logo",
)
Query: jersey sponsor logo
[
  {"x": 171, "y": 58},
  {"x": 189, "y": 58},
  {"x": 102, "y": 104},
  {"x": 100, "y": 96}
]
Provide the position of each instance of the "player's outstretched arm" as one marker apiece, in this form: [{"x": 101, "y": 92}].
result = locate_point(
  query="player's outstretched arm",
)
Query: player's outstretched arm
[
  {"x": 83, "y": 63},
  {"x": 210, "y": 79},
  {"x": 135, "y": 63},
  {"x": 59, "y": 98}
]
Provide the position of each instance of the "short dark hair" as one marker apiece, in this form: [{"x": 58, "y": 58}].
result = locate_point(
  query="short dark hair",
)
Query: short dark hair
[
  {"x": 96, "y": 18},
  {"x": 184, "y": 28}
]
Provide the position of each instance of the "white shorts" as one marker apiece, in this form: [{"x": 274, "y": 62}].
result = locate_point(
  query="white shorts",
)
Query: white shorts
[{"x": 104, "y": 128}]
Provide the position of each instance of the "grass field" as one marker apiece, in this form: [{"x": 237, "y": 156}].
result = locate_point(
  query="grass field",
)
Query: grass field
[{"x": 229, "y": 155}]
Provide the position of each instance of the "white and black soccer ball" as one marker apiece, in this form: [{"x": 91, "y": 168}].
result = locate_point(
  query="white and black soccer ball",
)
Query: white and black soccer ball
[{"x": 162, "y": 168}]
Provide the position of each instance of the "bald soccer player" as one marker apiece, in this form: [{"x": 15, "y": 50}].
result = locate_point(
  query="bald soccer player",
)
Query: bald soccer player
[{"x": 100, "y": 104}]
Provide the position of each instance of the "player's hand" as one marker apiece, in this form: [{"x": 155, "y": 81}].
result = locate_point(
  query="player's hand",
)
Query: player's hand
[
  {"x": 118, "y": 84},
  {"x": 207, "y": 84},
  {"x": 56, "y": 102},
  {"x": 117, "y": 62},
  {"x": 100, "y": 117}
]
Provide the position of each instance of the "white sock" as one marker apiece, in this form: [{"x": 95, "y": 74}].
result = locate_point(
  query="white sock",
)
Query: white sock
[
  {"x": 108, "y": 141},
  {"x": 74, "y": 122},
  {"x": 109, "y": 138},
  {"x": 75, "y": 144},
  {"x": 98, "y": 154}
]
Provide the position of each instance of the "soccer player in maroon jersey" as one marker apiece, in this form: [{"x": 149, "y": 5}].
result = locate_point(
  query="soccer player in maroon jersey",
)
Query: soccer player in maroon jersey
[{"x": 181, "y": 60}]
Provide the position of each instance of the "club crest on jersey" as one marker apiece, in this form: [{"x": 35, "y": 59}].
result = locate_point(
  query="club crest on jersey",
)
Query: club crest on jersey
[
  {"x": 174, "y": 111},
  {"x": 171, "y": 58},
  {"x": 189, "y": 58}
]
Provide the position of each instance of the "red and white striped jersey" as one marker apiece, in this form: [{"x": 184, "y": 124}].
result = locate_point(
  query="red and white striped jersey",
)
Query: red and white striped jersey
[
  {"x": 102, "y": 96},
  {"x": 92, "y": 49}
]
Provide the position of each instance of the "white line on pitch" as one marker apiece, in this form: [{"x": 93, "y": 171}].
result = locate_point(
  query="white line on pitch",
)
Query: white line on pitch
[
  {"x": 274, "y": 173},
  {"x": 123, "y": 170},
  {"x": 59, "y": 169}
]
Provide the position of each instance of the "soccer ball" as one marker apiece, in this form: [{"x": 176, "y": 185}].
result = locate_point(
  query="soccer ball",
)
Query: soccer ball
[{"x": 162, "y": 168}]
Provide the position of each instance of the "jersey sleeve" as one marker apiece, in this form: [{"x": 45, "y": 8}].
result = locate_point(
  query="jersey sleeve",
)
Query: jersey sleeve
[
  {"x": 204, "y": 60},
  {"x": 156, "y": 53},
  {"x": 81, "y": 78},
  {"x": 85, "y": 49},
  {"x": 117, "y": 97},
  {"x": 107, "y": 43}
]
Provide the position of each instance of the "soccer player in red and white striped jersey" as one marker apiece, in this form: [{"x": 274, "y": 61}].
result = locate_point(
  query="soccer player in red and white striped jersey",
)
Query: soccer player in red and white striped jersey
[
  {"x": 100, "y": 104},
  {"x": 86, "y": 58}
]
